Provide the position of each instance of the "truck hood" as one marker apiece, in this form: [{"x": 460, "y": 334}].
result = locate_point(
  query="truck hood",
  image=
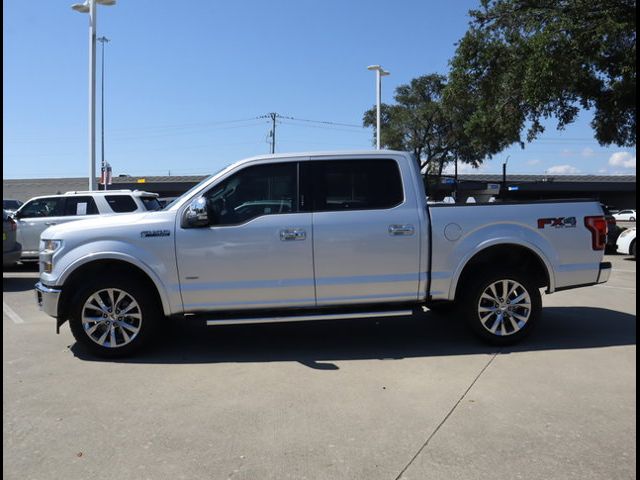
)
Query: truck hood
[{"x": 108, "y": 225}]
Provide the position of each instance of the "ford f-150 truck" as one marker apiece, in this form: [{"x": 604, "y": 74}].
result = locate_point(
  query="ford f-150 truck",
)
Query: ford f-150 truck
[{"x": 294, "y": 237}]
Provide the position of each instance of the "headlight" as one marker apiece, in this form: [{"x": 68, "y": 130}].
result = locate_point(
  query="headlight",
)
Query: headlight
[
  {"x": 47, "y": 249},
  {"x": 50, "y": 246}
]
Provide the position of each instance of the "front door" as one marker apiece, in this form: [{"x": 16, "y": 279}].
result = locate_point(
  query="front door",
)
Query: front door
[
  {"x": 257, "y": 252},
  {"x": 33, "y": 218}
]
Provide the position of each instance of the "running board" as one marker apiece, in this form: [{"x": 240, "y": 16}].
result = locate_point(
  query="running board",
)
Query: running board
[{"x": 304, "y": 318}]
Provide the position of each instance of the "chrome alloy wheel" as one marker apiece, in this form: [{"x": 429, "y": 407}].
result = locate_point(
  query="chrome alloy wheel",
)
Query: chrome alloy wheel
[
  {"x": 111, "y": 318},
  {"x": 504, "y": 307}
]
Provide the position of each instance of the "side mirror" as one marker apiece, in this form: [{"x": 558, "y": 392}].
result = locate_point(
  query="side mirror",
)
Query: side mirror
[{"x": 196, "y": 214}]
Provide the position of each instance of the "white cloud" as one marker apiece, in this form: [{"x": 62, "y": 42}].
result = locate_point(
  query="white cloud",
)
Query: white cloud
[
  {"x": 623, "y": 159},
  {"x": 566, "y": 152},
  {"x": 563, "y": 170},
  {"x": 463, "y": 168},
  {"x": 587, "y": 152}
]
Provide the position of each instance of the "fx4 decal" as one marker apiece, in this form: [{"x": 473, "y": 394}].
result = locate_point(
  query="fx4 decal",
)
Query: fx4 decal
[{"x": 559, "y": 222}]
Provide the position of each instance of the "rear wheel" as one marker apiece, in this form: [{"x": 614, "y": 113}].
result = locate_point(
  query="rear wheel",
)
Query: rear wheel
[
  {"x": 114, "y": 317},
  {"x": 501, "y": 307}
]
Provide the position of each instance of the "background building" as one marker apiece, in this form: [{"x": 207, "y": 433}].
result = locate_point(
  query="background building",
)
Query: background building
[{"x": 616, "y": 191}]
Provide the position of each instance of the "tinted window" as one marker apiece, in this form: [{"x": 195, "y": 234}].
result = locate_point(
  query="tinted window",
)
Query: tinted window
[
  {"x": 356, "y": 185},
  {"x": 121, "y": 203},
  {"x": 80, "y": 206},
  {"x": 11, "y": 204},
  {"x": 253, "y": 192},
  {"x": 151, "y": 203},
  {"x": 43, "y": 207}
]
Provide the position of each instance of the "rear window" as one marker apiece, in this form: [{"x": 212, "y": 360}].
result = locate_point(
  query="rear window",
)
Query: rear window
[
  {"x": 356, "y": 185},
  {"x": 151, "y": 203},
  {"x": 121, "y": 203}
]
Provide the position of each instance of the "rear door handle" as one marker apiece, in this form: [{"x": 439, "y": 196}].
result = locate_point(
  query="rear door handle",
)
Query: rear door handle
[
  {"x": 400, "y": 230},
  {"x": 51, "y": 223},
  {"x": 292, "y": 234}
]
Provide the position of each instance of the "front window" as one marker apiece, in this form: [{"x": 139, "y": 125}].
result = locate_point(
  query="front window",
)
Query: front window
[
  {"x": 42, "y": 207},
  {"x": 253, "y": 192}
]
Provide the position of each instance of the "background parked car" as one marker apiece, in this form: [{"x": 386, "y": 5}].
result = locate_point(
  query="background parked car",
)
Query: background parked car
[
  {"x": 626, "y": 216},
  {"x": 11, "y": 205},
  {"x": 39, "y": 213},
  {"x": 627, "y": 242},
  {"x": 613, "y": 229},
  {"x": 11, "y": 249}
]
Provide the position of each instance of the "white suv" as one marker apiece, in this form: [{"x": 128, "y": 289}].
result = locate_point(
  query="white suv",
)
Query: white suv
[{"x": 39, "y": 213}]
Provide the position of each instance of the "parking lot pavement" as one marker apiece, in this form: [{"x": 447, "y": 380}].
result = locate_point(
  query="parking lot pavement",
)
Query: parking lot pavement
[{"x": 365, "y": 399}]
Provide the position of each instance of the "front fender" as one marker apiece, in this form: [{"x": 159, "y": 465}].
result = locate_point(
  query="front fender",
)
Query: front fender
[{"x": 159, "y": 270}]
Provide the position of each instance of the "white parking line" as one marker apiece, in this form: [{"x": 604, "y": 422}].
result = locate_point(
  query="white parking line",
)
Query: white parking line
[{"x": 11, "y": 314}]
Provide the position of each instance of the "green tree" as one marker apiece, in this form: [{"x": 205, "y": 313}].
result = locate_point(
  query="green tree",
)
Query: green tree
[
  {"x": 422, "y": 121},
  {"x": 523, "y": 61}
]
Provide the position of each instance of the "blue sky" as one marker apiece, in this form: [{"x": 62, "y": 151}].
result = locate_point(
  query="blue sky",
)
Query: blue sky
[{"x": 185, "y": 82}]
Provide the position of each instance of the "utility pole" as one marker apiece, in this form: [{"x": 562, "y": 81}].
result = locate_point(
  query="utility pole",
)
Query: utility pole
[
  {"x": 103, "y": 170},
  {"x": 272, "y": 134},
  {"x": 273, "y": 131}
]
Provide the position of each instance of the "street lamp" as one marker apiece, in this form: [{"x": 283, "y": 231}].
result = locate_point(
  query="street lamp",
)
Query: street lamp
[
  {"x": 380, "y": 72},
  {"x": 103, "y": 168},
  {"x": 89, "y": 6}
]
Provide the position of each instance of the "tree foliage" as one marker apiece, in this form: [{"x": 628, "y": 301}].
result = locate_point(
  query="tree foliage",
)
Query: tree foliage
[
  {"x": 423, "y": 122},
  {"x": 523, "y": 61}
]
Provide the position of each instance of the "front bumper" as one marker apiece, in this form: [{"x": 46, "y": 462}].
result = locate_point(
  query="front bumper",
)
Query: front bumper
[
  {"x": 605, "y": 272},
  {"x": 48, "y": 299}
]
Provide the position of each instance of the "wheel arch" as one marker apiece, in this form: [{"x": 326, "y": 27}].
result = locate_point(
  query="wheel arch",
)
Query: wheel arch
[
  {"x": 103, "y": 266},
  {"x": 525, "y": 257}
]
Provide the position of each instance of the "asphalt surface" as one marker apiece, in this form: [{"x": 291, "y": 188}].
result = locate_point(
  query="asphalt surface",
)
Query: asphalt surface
[{"x": 415, "y": 398}]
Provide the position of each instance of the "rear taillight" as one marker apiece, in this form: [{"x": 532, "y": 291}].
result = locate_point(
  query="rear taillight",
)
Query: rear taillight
[
  {"x": 598, "y": 228},
  {"x": 13, "y": 224}
]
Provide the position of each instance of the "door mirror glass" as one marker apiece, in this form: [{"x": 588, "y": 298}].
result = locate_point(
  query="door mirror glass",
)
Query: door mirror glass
[{"x": 196, "y": 214}]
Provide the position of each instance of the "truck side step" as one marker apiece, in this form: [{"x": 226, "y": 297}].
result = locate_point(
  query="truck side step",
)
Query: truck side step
[{"x": 304, "y": 318}]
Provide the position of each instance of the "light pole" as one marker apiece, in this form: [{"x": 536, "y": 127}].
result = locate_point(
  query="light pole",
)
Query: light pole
[
  {"x": 103, "y": 166},
  {"x": 89, "y": 6},
  {"x": 380, "y": 72}
]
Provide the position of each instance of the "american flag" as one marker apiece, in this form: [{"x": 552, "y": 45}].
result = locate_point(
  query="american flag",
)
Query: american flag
[{"x": 105, "y": 176}]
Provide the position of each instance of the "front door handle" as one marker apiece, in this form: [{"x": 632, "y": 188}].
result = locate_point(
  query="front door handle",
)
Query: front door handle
[
  {"x": 399, "y": 230},
  {"x": 292, "y": 234},
  {"x": 51, "y": 223}
]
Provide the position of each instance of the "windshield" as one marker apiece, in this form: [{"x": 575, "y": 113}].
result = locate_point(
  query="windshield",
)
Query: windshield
[
  {"x": 11, "y": 204},
  {"x": 188, "y": 192}
]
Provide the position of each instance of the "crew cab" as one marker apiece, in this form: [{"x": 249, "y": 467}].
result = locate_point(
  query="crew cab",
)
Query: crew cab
[{"x": 312, "y": 236}]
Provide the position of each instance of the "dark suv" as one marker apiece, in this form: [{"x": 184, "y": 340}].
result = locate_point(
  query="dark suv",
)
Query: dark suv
[{"x": 613, "y": 230}]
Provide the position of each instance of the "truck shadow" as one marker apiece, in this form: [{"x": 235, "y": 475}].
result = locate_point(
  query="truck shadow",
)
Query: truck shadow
[{"x": 318, "y": 345}]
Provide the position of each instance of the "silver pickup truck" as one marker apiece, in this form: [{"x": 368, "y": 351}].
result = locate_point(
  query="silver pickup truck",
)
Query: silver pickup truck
[{"x": 315, "y": 236}]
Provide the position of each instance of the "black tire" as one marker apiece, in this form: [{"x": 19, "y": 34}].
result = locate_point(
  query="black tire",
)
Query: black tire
[
  {"x": 139, "y": 323},
  {"x": 633, "y": 249},
  {"x": 510, "y": 329},
  {"x": 632, "y": 219}
]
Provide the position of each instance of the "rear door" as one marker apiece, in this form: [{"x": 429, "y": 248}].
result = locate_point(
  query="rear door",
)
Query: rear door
[{"x": 366, "y": 233}]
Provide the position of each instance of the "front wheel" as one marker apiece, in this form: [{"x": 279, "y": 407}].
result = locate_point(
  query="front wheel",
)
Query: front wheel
[
  {"x": 501, "y": 307},
  {"x": 113, "y": 317}
]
